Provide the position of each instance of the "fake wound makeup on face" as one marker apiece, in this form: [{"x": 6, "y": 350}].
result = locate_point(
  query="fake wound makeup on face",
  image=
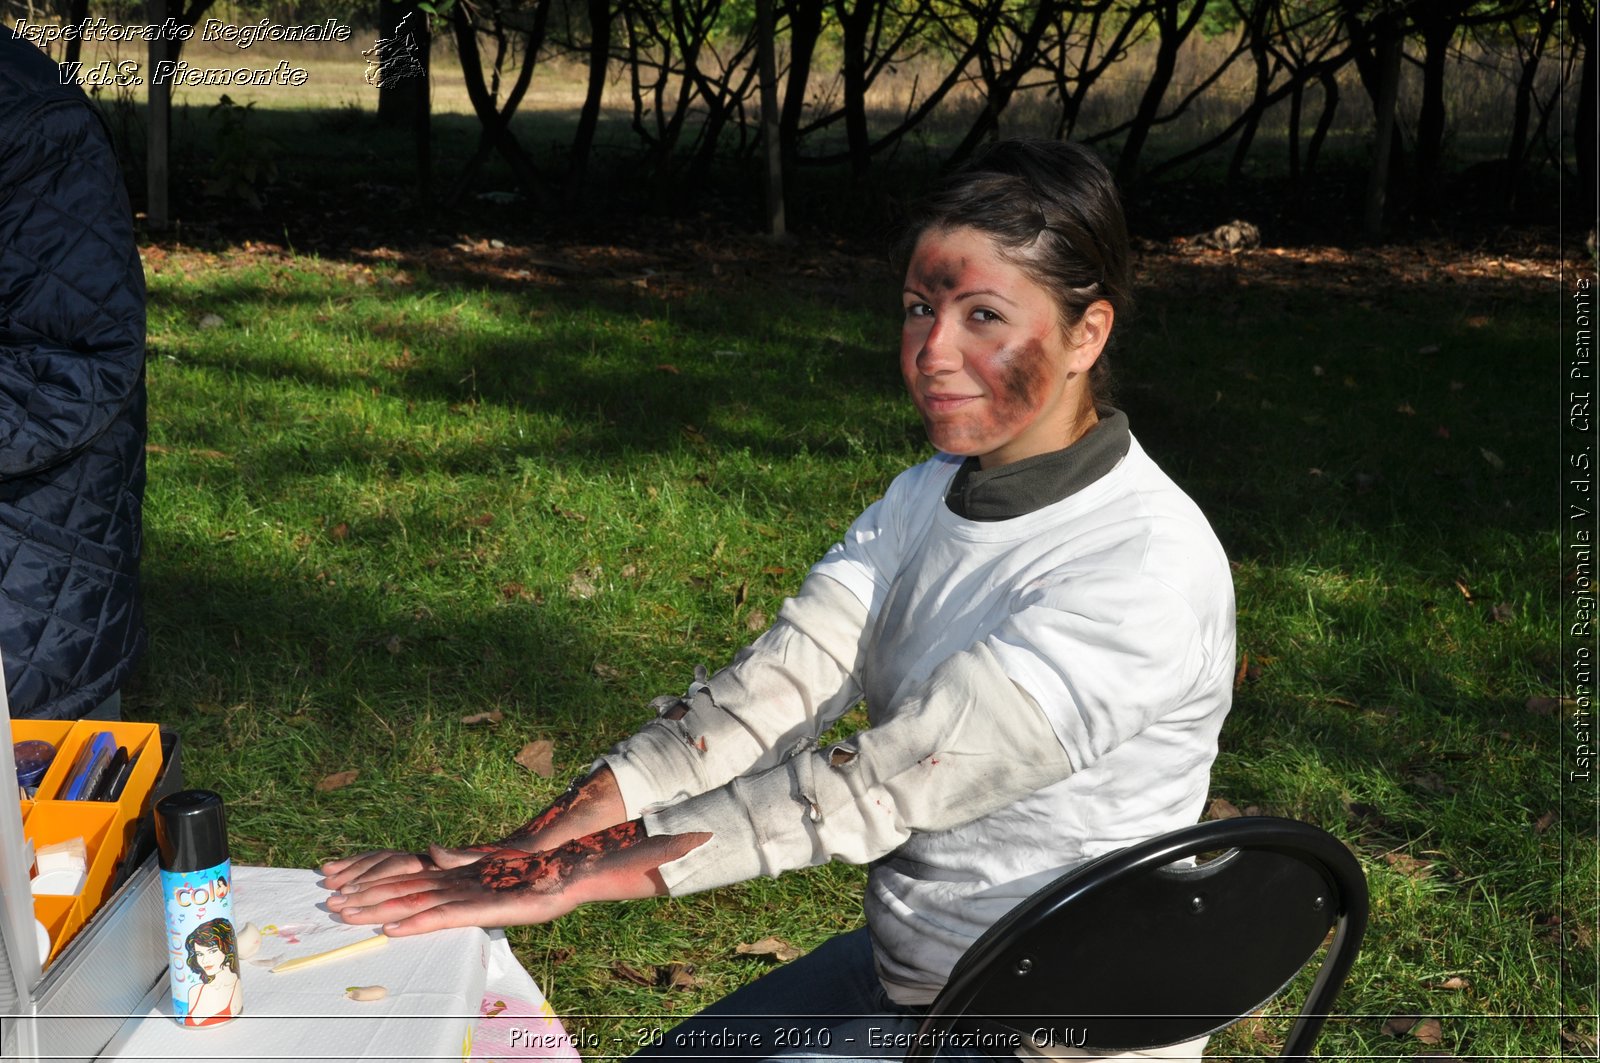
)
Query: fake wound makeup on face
[
  {"x": 1022, "y": 376},
  {"x": 941, "y": 275}
]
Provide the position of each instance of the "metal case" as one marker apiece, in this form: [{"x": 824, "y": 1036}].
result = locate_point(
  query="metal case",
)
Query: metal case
[{"x": 70, "y": 1011}]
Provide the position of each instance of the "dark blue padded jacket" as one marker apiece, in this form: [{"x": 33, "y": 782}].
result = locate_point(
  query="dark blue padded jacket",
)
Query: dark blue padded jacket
[{"x": 72, "y": 398}]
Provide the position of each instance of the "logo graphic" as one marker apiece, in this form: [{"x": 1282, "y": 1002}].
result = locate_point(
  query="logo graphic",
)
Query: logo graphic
[{"x": 391, "y": 60}]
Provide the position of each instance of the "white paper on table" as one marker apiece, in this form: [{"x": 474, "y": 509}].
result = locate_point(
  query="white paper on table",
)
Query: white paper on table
[
  {"x": 435, "y": 984},
  {"x": 518, "y": 1022}
]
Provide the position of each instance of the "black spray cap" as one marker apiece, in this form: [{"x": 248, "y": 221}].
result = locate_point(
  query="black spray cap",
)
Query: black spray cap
[{"x": 191, "y": 830}]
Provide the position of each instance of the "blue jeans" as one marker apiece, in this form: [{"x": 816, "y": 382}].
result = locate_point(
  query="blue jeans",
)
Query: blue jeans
[{"x": 827, "y": 1006}]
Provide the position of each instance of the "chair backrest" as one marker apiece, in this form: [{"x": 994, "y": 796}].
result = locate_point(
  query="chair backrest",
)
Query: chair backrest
[{"x": 1132, "y": 951}]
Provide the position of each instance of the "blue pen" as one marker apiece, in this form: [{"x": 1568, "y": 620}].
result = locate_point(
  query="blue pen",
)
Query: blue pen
[{"x": 78, "y": 787}]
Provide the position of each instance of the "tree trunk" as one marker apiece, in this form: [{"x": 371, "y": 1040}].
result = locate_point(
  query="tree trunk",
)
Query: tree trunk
[
  {"x": 1370, "y": 42},
  {"x": 1330, "y": 110},
  {"x": 77, "y": 11},
  {"x": 1256, "y": 27},
  {"x": 402, "y": 90},
  {"x": 158, "y": 126},
  {"x": 1378, "y": 179},
  {"x": 1004, "y": 85},
  {"x": 1296, "y": 103},
  {"x": 495, "y": 120},
  {"x": 1174, "y": 28},
  {"x": 589, "y": 116},
  {"x": 771, "y": 141},
  {"x": 854, "y": 23},
  {"x": 1437, "y": 31},
  {"x": 805, "y": 29},
  {"x": 1517, "y": 147},
  {"x": 1584, "y": 140}
]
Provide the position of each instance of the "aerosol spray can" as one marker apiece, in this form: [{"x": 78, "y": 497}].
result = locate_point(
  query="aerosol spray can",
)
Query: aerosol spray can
[{"x": 197, "y": 885}]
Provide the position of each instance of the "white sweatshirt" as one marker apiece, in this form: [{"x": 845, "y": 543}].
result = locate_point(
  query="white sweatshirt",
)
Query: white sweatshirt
[{"x": 1042, "y": 690}]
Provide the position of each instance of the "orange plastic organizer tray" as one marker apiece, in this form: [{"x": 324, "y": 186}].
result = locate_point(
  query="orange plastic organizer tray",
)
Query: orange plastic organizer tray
[{"x": 104, "y": 826}]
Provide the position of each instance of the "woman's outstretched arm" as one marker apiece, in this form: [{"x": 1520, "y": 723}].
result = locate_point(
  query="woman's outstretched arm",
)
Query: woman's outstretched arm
[{"x": 512, "y": 887}]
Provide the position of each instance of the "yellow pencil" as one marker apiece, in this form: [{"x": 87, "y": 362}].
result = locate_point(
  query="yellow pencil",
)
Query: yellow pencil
[{"x": 332, "y": 954}]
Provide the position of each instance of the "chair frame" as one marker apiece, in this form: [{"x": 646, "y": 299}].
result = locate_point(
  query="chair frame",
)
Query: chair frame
[{"x": 1303, "y": 842}]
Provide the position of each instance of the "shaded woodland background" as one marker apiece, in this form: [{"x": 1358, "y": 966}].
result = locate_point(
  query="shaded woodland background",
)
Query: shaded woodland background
[{"x": 1349, "y": 117}]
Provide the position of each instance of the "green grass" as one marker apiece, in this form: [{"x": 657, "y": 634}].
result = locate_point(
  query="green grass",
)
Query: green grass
[{"x": 383, "y": 499}]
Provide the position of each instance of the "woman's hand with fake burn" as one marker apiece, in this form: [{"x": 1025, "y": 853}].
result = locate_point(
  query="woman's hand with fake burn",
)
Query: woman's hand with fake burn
[{"x": 509, "y": 886}]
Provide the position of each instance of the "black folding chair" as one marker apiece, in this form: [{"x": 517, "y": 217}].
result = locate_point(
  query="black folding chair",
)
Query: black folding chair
[{"x": 1130, "y": 952}]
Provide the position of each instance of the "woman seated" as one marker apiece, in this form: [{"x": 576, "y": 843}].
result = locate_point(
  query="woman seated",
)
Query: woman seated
[{"x": 1040, "y": 622}]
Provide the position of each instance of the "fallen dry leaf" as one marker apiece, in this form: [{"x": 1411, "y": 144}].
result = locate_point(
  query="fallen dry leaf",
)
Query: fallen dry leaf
[
  {"x": 1466, "y": 592},
  {"x": 570, "y": 515},
  {"x": 1431, "y": 781},
  {"x": 777, "y": 948},
  {"x": 516, "y": 592},
  {"x": 1222, "y": 808},
  {"x": 1453, "y": 983},
  {"x": 667, "y": 367},
  {"x": 1405, "y": 408},
  {"x": 1408, "y": 865},
  {"x": 677, "y": 976},
  {"x": 1544, "y": 823},
  {"x": 1400, "y": 1025},
  {"x": 492, "y": 716},
  {"x": 1542, "y": 706},
  {"x": 482, "y": 520},
  {"x": 340, "y": 531},
  {"x": 1502, "y": 613},
  {"x": 1496, "y": 462},
  {"x": 608, "y": 672},
  {"x": 1428, "y": 1031},
  {"x": 538, "y": 757},
  {"x": 392, "y": 644},
  {"x": 337, "y": 781},
  {"x": 1584, "y": 1042},
  {"x": 756, "y": 621},
  {"x": 631, "y": 974},
  {"x": 582, "y": 585}
]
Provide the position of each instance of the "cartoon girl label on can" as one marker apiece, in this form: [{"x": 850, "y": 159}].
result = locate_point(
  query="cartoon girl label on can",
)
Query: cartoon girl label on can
[{"x": 213, "y": 957}]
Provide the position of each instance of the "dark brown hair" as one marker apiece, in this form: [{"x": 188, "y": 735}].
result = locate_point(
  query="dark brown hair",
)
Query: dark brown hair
[
  {"x": 1051, "y": 208},
  {"x": 216, "y": 934}
]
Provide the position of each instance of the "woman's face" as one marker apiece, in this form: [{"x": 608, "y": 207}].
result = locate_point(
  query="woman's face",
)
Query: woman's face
[
  {"x": 984, "y": 355},
  {"x": 210, "y": 959}
]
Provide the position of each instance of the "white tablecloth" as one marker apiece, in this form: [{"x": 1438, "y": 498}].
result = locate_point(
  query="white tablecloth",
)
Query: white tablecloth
[{"x": 452, "y": 994}]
